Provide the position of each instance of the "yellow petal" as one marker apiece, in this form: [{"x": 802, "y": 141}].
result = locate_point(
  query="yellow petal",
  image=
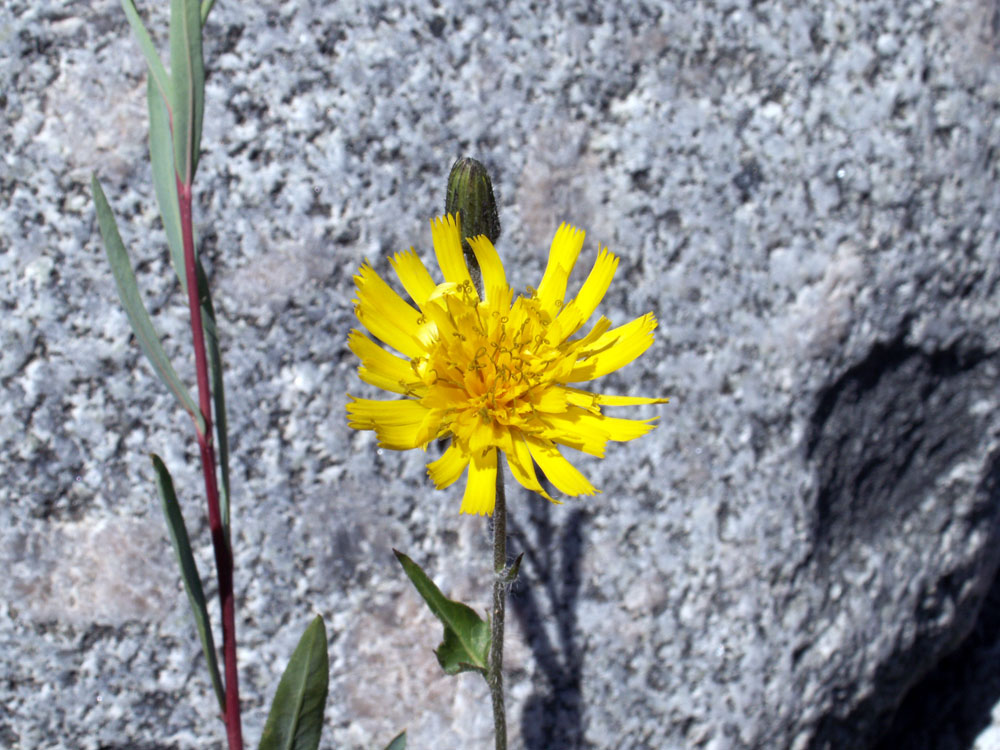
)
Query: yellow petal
[
  {"x": 449, "y": 467},
  {"x": 551, "y": 399},
  {"x": 397, "y": 424},
  {"x": 443, "y": 395},
  {"x": 570, "y": 435},
  {"x": 380, "y": 380},
  {"x": 480, "y": 489},
  {"x": 447, "y": 237},
  {"x": 614, "y": 349},
  {"x": 365, "y": 413},
  {"x": 385, "y": 314},
  {"x": 381, "y": 368},
  {"x": 588, "y": 431},
  {"x": 443, "y": 324},
  {"x": 483, "y": 435},
  {"x": 565, "y": 249},
  {"x": 576, "y": 312},
  {"x": 522, "y": 468},
  {"x": 558, "y": 470},
  {"x": 567, "y": 322},
  {"x": 600, "y": 328},
  {"x": 622, "y": 430},
  {"x": 494, "y": 277},
  {"x": 596, "y": 285},
  {"x": 413, "y": 275},
  {"x": 591, "y": 401},
  {"x": 499, "y": 302},
  {"x": 408, "y": 436},
  {"x": 431, "y": 428}
]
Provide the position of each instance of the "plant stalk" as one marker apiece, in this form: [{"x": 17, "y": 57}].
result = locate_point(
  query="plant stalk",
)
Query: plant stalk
[
  {"x": 220, "y": 544},
  {"x": 494, "y": 674}
]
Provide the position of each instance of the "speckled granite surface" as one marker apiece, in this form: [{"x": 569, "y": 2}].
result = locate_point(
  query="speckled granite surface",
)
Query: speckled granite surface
[{"x": 804, "y": 194}]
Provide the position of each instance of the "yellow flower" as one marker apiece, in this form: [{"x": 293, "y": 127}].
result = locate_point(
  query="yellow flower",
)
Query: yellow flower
[{"x": 494, "y": 373}]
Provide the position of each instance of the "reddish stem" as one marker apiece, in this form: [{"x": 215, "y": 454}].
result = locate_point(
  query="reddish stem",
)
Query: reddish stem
[{"x": 223, "y": 552}]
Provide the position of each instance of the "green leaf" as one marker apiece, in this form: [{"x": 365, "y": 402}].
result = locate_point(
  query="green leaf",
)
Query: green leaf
[
  {"x": 188, "y": 77},
  {"x": 206, "y": 8},
  {"x": 296, "y": 718},
  {"x": 161, "y": 152},
  {"x": 189, "y": 572},
  {"x": 513, "y": 570},
  {"x": 466, "y": 636},
  {"x": 128, "y": 291},
  {"x": 398, "y": 742},
  {"x": 161, "y": 156},
  {"x": 218, "y": 392},
  {"x": 156, "y": 69}
]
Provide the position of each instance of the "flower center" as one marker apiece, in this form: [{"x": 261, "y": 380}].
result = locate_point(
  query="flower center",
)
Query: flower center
[{"x": 489, "y": 364}]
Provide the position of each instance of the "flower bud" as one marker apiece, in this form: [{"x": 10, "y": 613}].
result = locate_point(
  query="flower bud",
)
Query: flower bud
[{"x": 470, "y": 197}]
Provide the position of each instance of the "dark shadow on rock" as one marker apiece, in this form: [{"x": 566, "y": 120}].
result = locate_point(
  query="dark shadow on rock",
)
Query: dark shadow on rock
[
  {"x": 546, "y": 594},
  {"x": 952, "y": 704},
  {"x": 882, "y": 436},
  {"x": 883, "y": 432}
]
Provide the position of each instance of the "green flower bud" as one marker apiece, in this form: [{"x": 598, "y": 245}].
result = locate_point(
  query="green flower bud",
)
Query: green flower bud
[{"x": 470, "y": 197}]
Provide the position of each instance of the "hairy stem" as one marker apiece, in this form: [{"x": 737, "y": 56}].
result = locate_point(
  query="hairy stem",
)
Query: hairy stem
[
  {"x": 494, "y": 675},
  {"x": 223, "y": 552}
]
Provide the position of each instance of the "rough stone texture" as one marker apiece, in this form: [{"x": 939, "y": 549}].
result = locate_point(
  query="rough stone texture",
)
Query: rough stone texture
[{"x": 804, "y": 194}]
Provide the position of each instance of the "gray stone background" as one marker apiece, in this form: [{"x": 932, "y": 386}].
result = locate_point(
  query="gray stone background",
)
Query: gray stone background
[{"x": 805, "y": 194}]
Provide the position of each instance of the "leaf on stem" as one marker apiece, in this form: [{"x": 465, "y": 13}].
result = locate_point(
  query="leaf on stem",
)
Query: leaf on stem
[
  {"x": 513, "y": 570},
  {"x": 188, "y": 77},
  {"x": 206, "y": 8},
  {"x": 156, "y": 69},
  {"x": 466, "y": 636},
  {"x": 161, "y": 151},
  {"x": 218, "y": 392},
  {"x": 296, "y": 717},
  {"x": 398, "y": 742},
  {"x": 128, "y": 291},
  {"x": 161, "y": 157},
  {"x": 189, "y": 572}
]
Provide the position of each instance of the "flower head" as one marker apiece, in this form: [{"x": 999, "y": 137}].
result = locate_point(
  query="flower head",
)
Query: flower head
[{"x": 494, "y": 373}]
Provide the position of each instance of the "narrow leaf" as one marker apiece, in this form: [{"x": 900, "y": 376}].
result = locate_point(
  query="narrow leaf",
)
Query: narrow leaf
[
  {"x": 128, "y": 291},
  {"x": 466, "y": 636},
  {"x": 513, "y": 570},
  {"x": 189, "y": 572},
  {"x": 398, "y": 742},
  {"x": 161, "y": 152},
  {"x": 188, "y": 77},
  {"x": 296, "y": 718},
  {"x": 161, "y": 156},
  {"x": 206, "y": 8},
  {"x": 218, "y": 392},
  {"x": 156, "y": 69}
]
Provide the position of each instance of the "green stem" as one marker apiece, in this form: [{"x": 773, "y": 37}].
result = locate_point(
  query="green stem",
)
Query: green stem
[{"x": 494, "y": 675}]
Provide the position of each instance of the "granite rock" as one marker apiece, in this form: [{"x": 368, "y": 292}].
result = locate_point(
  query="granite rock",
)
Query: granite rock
[{"x": 805, "y": 196}]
